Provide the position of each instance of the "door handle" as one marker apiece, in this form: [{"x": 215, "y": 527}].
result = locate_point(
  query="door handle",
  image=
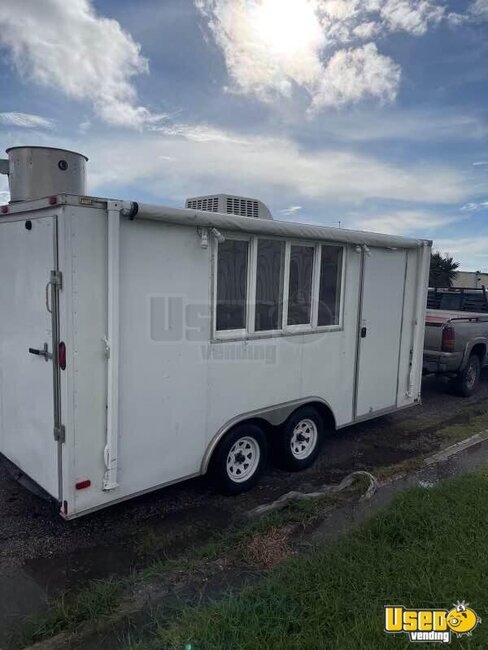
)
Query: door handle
[
  {"x": 42, "y": 353},
  {"x": 48, "y": 306},
  {"x": 364, "y": 331}
]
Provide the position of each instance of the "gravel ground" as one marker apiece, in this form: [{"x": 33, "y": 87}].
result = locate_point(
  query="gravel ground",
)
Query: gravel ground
[{"x": 56, "y": 555}]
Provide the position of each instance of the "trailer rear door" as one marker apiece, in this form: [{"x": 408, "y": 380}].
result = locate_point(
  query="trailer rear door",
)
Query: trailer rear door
[
  {"x": 29, "y": 310},
  {"x": 380, "y": 330}
]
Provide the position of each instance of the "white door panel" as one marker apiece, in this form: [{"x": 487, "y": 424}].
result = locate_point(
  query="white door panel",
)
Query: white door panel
[
  {"x": 380, "y": 330},
  {"x": 26, "y": 379}
]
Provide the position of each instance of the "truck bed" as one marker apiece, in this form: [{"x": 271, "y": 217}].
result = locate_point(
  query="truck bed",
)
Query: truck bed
[
  {"x": 469, "y": 329},
  {"x": 439, "y": 317}
]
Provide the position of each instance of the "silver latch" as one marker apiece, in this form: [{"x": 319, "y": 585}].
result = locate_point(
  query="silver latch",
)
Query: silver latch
[
  {"x": 57, "y": 279},
  {"x": 60, "y": 433},
  {"x": 42, "y": 353}
]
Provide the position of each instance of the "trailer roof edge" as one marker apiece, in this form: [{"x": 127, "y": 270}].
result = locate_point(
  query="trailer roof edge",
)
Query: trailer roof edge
[
  {"x": 251, "y": 225},
  {"x": 228, "y": 222}
]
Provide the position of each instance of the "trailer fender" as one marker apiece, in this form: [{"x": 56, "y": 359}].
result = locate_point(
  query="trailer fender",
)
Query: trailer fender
[{"x": 272, "y": 415}]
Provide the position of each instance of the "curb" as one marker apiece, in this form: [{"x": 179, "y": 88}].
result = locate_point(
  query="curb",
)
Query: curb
[{"x": 448, "y": 452}]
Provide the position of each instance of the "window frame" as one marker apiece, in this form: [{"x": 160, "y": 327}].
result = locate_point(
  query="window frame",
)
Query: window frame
[
  {"x": 249, "y": 332},
  {"x": 241, "y": 333},
  {"x": 279, "y": 331},
  {"x": 301, "y": 327},
  {"x": 342, "y": 275}
]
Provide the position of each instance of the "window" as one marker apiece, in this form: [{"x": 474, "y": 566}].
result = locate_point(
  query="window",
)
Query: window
[
  {"x": 269, "y": 285},
  {"x": 232, "y": 284},
  {"x": 330, "y": 285},
  {"x": 266, "y": 285},
  {"x": 300, "y": 285}
]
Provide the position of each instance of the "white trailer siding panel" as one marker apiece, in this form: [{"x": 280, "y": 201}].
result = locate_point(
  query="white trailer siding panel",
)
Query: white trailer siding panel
[
  {"x": 412, "y": 291},
  {"x": 26, "y": 380},
  {"x": 165, "y": 274},
  {"x": 86, "y": 373}
]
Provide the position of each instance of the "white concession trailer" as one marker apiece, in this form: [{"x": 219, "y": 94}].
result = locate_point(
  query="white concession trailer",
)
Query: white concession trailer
[{"x": 142, "y": 345}]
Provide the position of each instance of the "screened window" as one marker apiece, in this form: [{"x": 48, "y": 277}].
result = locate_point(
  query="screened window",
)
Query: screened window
[
  {"x": 300, "y": 285},
  {"x": 232, "y": 284},
  {"x": 330, "y": 285},
  {"x": 269, "y": 285}
]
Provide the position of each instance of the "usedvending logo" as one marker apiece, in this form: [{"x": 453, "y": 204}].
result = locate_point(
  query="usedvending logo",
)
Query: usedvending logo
[{"x": 436, "y": 625}]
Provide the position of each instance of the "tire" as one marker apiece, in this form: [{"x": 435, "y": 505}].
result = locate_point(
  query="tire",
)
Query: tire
[
  {"x": 300, "y": 440},
  {"x": 239, "y": 460},
  {"x": 467, "y": 381}
]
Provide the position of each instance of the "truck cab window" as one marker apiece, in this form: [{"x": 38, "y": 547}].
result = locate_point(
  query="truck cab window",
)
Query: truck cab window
[
  {"x": 330, "y": 285},
  {"x": 232, "y": 284},
  {"x": 269, "y": 285},
  {"x": 300, "y": 285}
]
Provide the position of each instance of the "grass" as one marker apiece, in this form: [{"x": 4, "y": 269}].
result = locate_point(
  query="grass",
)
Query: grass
[
  {"x": 428, "y": 549},
  {"x": 235, "y": 540},
  {"x": 100, "y": 599},
  {"x": 95, "y": 602}
]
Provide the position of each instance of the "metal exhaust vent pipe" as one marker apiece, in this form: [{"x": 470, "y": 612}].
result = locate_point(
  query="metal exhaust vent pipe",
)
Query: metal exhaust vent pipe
[{"x": 38, "y": 172}]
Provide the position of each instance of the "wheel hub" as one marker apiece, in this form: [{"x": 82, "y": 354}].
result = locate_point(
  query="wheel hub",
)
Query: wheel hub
[
  {"x": 304, "y": 439},
  {"x": 239, "y": 458},
  {"x": 243, "y": 459}
]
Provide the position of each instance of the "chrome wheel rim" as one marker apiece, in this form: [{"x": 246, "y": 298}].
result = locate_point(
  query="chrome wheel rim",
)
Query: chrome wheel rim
[
  {"x": 304, "y": 439},
  {"x": 243, "y": 459}
]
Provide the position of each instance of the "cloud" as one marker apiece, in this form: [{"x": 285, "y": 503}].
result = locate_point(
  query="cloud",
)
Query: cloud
[
  {"x": 194, "y": 132},
  {"x": 414, "y": 125},
  {"x": 480, "y": 163},
  {"x": 66, "y": 45},
  {"x": 267, "y": 46},
  {"x": 403, "y": 222},
  {"x": 293, "y": 209},
  {"x": 275, "y": 168},
  {"x": 471, "y": 252},
  {"x": 352, "y": 75},
  {"x": 474, "y": 206},
  {"x": 323, "y": 47},
  {"x": 25, "y": 120},
  {"x": 479, "y": 9},
  {"x": 413, "y": 17}
]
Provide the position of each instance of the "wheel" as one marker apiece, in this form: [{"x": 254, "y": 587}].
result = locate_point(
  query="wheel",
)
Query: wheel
[
  {"x": 240, "y": 459},
  {"x": 467, "y": 381},
  {"x": 300, "y": 439}
]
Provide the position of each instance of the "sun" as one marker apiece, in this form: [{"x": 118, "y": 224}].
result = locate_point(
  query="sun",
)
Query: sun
[{"x": 287, "y": 28}]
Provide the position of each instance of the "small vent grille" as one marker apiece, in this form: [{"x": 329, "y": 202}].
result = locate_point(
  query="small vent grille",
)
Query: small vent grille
[
  {"x": 242, "y": 207},
  {"x": 209, "y": 204}
]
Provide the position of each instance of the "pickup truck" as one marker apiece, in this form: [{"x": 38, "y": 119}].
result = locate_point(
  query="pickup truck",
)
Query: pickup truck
[{"x": 456, "y": 346}]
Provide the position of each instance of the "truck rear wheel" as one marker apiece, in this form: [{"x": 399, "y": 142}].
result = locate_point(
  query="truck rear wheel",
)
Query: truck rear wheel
[
  {"x": 299, "y": 442},
  {"x": 240, "y": 458},
  {"x": 467, "y": 381}
]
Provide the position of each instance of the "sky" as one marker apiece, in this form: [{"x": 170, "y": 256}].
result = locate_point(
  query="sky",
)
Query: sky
[{"x": 371, "y": 114}]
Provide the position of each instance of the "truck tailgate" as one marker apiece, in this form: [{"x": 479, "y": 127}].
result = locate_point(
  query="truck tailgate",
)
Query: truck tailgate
[{"x": 434, "y": 320}]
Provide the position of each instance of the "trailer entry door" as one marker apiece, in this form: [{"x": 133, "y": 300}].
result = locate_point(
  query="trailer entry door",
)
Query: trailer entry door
[
  {"x": 29, "y": 310},
  {"x": 379, "y": 334}
]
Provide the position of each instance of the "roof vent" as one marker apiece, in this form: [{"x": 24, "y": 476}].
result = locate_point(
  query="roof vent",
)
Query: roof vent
[
  {"x": 228, "y": 204},
  {"x": 38, "y": 172}
]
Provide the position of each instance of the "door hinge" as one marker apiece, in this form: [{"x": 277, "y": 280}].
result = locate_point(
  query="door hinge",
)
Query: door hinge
[
  {"x": 60, "y": 433},
  {"x": 57, "y": 279}
]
